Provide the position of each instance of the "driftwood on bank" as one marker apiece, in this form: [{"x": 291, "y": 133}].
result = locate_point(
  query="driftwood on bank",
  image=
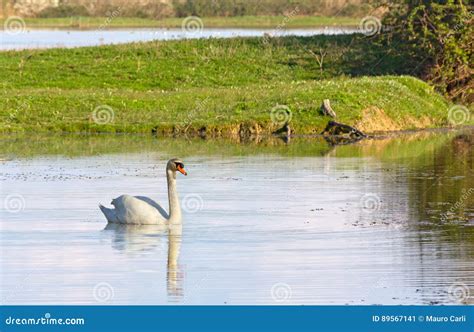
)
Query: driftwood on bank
[
  {"x": 338, "y": 133},
  {"x": 327, "y": 109},
  {"x": 336, "y": 128},
  {"x": 284, "y": 132}
]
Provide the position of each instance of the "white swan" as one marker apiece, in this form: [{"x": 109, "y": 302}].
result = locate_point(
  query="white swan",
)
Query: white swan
[{"x": 145, "y": 211}]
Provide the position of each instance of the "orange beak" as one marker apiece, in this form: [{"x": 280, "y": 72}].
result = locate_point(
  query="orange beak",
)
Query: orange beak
[{"x": 181, "y": 170}]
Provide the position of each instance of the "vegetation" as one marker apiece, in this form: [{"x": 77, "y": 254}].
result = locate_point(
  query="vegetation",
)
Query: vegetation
[
  {"x": 196, "y": 63},
  {"x": 222, "y": 8},
  {"x": 221, "y": 111},
  {"x": 269, "y": 7},
  {"x": 436, "y": 38},
  {"x": 64, "y": 11},
  {"x": 217, "y": 84},
  {"x": 269, "y": 22}
]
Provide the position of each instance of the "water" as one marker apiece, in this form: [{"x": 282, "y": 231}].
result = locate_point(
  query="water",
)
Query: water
[
  {"x": 31, "y": 39},
  {"x": 386, "y": 221}
]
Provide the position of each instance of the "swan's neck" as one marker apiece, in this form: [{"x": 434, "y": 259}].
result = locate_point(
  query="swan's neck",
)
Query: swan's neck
[{"x": 174, "y": 208}]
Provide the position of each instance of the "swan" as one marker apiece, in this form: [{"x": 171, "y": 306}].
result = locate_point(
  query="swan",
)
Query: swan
[{"x": 140, "y": 210}]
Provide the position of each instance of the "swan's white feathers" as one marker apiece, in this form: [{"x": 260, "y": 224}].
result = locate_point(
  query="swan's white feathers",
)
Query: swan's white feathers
[
  {"x": 155, "y": 205},
  {"x": 141, "y": 210},
  {"x": 137, "y": 210}
]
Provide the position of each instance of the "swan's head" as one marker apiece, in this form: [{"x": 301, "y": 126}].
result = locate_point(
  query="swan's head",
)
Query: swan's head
[{"x": 176, "y": 165}]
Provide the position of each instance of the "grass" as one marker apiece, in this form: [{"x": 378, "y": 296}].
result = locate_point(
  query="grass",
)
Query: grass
[
  {"x": 175, "y": 64},
  {"x": 218, "y": 84},
  {"x": 270, "y": 22}
]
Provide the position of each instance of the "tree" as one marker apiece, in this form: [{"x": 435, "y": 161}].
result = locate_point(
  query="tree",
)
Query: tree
[{"x": 438, "y": 37}]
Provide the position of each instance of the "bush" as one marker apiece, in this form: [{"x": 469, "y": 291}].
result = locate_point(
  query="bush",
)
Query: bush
[
  {"x": 437, "y": 36},
  {"x": 266, "y": 7},
  {"x": 64, "y": 11},
  {"x": 152, "y": 10}
]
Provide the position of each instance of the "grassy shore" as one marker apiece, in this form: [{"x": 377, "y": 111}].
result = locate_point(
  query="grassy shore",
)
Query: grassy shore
[
  {"x": 222, "y": 87},
  {"x": 270, "y": 22}
]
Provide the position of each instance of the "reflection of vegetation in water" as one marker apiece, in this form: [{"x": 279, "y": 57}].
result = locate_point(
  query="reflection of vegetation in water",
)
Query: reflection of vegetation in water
[
  {"x": 89, "y": 145},
  {"x": 443, "y": 194},
  {"x": 417, "y": 149},
  {"x": 442, "y": 191},
  {"x": 449, "y": 182},
  {"x": 439, "y": 173}
]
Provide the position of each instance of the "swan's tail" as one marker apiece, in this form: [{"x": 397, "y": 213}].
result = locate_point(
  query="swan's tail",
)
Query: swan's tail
[{"x": 108, "y": 213}]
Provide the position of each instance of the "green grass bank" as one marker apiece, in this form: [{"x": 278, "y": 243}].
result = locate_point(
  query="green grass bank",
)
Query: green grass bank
[{"x": 216, "y": 87}]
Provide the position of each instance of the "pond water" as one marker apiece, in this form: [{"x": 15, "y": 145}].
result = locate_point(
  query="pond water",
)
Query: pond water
[
  {"x": 29, "y": 39},
  {"x": 383, "y": 221}
]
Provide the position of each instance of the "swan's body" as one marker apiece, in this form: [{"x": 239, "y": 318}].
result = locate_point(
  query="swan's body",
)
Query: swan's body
[
  {"x": 140, "y": 210},
  {"x": 135, "y": 210}
]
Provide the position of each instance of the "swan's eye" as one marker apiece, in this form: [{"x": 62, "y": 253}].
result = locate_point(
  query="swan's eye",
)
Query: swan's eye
[{"x": 180, "y": 168}]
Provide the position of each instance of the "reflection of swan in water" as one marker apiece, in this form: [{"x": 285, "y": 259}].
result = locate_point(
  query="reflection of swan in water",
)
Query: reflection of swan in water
[
  {"x": 139, "y": 238},
  {"x": 175, "y": 275},
  {"x": 145, "y": 211}
]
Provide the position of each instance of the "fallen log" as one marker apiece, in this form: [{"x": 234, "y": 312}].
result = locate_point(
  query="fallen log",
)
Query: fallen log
[
  {"x": 337, "y": 133},
  {"x": 283, "y": 131},
  {"x": 336, "y": 128}
]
